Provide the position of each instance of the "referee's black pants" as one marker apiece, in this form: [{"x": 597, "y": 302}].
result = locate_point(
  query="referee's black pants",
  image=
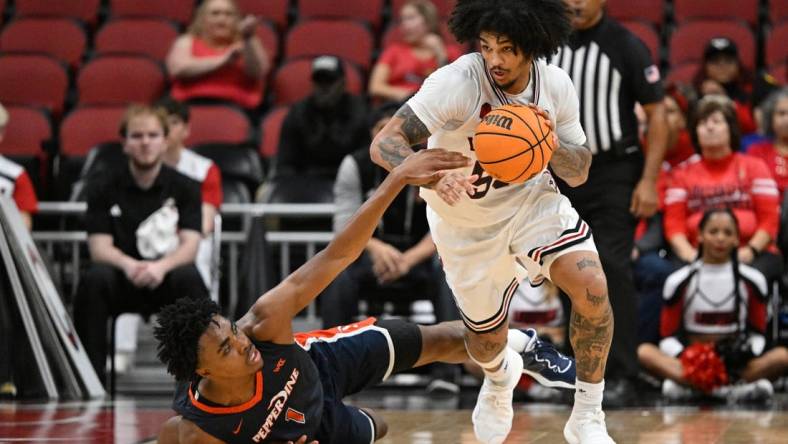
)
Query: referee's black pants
[
  {"x": 603, "y": 202},
  {"x": 104, "y": 292}
]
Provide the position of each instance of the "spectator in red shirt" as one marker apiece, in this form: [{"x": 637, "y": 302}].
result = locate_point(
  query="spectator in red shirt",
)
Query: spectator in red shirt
[
  {"x": 721, "y": 177},
  {"x": 15, "y": 182},
  {"x": 220, "y": 57},
  {"x": 774, "y": 151},
  {"x": 404, "y": 64}
]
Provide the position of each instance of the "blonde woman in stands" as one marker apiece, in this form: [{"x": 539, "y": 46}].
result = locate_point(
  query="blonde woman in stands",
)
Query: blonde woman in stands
[
  {"x": 220, "y": 57},
  {"x": 405, "y": 63}
]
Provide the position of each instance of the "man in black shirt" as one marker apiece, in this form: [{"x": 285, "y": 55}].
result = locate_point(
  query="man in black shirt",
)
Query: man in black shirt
[
  {"x": 143, "y": 223},
  {"x": 612, "y": 70},
  {"x": 320, "y": 130}
]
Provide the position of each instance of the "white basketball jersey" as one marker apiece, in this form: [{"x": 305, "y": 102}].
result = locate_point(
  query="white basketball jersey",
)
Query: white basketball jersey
[{"x": 451, "y": 103}]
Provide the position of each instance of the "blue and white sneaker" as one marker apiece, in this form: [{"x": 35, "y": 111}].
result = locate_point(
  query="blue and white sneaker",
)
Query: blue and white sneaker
[{"x": 547, "y": 365}]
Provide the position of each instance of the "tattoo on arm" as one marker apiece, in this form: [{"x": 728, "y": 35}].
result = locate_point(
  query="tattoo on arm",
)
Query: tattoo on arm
[
  {"x": 591, "y": 337},
  {"x": 571, "y": 162},
  {"x": 395, "y": 148}
]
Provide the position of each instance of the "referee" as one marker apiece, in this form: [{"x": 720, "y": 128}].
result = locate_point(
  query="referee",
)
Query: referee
[{"x": 612, "y": 70}]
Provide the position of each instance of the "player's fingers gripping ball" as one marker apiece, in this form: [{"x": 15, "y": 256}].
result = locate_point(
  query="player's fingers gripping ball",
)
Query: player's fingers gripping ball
[{"x": 513, "y": 143}]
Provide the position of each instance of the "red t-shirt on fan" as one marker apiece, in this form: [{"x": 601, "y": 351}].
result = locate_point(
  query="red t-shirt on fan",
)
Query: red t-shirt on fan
[
  {"x": 738, "y": 181},
  {"x": 229, "y": 82}
]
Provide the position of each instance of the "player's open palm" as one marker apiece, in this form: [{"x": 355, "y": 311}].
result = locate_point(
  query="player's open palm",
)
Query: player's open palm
[{"x": 426, "y": 167}]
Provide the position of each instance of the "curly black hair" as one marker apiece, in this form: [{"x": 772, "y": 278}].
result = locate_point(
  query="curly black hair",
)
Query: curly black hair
[
  {"x": 538, "y": 28},
  {"x": 178, "y": 330}
]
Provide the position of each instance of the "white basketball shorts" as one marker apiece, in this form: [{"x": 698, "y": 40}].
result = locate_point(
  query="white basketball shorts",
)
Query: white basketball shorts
[{"x": 484, "y": 266}]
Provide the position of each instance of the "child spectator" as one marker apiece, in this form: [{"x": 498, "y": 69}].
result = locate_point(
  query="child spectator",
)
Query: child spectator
[{"x": 713, "y": 322}]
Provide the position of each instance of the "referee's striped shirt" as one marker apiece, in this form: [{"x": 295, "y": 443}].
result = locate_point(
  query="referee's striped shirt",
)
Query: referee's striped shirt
[{"x": 611, "y": 69}]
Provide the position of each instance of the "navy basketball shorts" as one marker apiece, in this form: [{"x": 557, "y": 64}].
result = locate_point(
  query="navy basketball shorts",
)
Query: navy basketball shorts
[{"x": 351, "y": 358}]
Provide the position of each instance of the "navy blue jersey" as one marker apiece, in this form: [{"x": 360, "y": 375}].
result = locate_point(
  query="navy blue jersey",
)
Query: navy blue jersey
[
  {"x": 288, "y": 401},
  {"x": 301, "y": 386}
]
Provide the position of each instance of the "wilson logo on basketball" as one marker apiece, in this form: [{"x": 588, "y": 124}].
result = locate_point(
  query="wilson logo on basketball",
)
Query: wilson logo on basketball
[
  {"x": 499, "y": 121},
  {"x": 275, "y": 407}
]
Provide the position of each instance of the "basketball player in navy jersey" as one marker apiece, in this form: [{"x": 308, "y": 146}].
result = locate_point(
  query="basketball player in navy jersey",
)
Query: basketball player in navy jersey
[{"x": 255, "y": 381}]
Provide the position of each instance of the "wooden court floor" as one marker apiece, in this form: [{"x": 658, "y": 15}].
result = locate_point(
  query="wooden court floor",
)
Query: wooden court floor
[{"x": 137, "y": 421}]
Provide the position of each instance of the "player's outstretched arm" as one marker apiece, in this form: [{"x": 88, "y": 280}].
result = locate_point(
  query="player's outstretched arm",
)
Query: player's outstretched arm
[
  {"x": 393, "y": 143},
  {"x": 270, "y": 317},
  {"x": 571, "y": 163}
]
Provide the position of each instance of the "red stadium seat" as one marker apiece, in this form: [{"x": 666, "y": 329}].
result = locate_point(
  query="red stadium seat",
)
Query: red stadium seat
[
  {"x": 320, "y": 37},
  {"x": 647, "y": 34},
  {"x": 145, "y": 37},
  {"x": 780, "y": 72},
  {"x": 747, "y": 10},
  {"x": 777, "y": 44},
  {"x": 85, "y": 10},
  {"x": 84, "y": 128},
  {"x": 270, "y": 39},
  {"x": 778, "y": 10},
  {"x": 29, "y": 126},
  {"x": 119, "y": 80},
  {"x": 61, "y": 38},
  {"x": 35, "y": 80},
  {"x": 683, "y": 74},
  {"x": 444, "y": 7},
  {"x": 176, "y": 10},
  {"x": 293, "y": 81},
  {"x": 690, "y": 39},
  {"x": 369, "y": 11},
  {"x": 270, "y": 128},
  {"x": 652, "y": 11},
  {"x": 217, "y": 124},
  {"x": 272, "y": 10}
]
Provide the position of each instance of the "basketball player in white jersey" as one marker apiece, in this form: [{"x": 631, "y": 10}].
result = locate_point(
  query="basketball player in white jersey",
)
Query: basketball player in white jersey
[{"x": 489, "y": 233}]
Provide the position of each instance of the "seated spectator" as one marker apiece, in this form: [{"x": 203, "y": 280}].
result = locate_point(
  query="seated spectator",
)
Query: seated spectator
[
  {"x": 722, "y": 72},
  {"x": 14, "y": 183},
  {"x": 714, "y": 318},
  {"x": 404, "y": 64},
  {"x": 650, "y": 268},
  {"x": 205, "y": 172},
  {"x": 720, "y": 177},
  {"x": 220, "y": 57},
  {"x": 144, "y": 224},
  {"x": 401, "y": 251},
  {"x": 399, "y": 257},
  {"x": 774, "y": 150},
  {"x": 195, "y": 167},
  {"x": 319, "y": 131}
]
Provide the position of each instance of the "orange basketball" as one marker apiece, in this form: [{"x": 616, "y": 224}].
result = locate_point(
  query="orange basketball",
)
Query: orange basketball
[{"x": 513, "y": 143}]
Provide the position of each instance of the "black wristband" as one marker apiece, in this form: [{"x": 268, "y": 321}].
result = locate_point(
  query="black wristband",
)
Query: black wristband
[{"x": 755, "y": 251}]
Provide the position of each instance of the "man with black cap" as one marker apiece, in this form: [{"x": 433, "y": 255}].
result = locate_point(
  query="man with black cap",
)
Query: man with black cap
[
  {"x": 320, "y": 130},
  {"x": 722, "y": 72}
]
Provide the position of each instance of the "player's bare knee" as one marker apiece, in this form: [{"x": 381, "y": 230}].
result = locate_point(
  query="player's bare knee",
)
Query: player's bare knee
[
  {"x": 645, "y": 353},
  {"x": 590, "y": 291}
]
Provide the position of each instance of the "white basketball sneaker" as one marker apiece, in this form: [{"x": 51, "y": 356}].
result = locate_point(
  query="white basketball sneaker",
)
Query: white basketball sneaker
[
  {"x": 493, "y": 414},
  {"x": 587, "y": 427}
]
